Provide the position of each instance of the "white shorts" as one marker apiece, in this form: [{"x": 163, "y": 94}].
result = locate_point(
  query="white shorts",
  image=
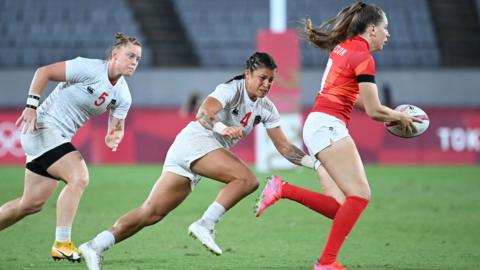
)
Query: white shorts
[
  {"x": 41, "y": 140},
  {"x": 192, "y": 143},
  {"x": 321, "y": 130}
]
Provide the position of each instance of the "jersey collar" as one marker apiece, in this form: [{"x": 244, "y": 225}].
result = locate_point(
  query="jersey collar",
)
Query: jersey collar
[
  {"x": 112, "y": 83},
  {"x": 362, "y": 40},
  {"x": 247, "y": 99}
]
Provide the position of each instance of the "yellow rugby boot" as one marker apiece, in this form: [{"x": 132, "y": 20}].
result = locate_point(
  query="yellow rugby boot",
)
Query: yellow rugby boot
[{"x": 65, "y": 251}]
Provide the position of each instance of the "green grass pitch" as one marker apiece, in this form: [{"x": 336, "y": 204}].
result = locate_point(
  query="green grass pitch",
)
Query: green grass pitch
[{"x": 420, "y": 218}]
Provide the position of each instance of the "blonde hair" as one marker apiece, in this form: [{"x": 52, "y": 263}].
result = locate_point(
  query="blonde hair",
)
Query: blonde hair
[
  {"x": 349, "y": 22},
  {"x": 122, "y": 40}
]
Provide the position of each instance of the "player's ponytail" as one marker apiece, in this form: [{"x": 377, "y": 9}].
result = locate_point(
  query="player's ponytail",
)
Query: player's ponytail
[
  {"x": 352, "y": 20},
  {"x": 255, "y": 61}
]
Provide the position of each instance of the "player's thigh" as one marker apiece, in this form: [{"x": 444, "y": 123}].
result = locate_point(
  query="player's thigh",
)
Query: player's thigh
[
  {"x": 70, "y": 167},
  {"x": 343, "y": 163},
  {"x": 168, "y": 192},
  {"x": 222, "y": 165},
  {"x": 37, "y": 189}
]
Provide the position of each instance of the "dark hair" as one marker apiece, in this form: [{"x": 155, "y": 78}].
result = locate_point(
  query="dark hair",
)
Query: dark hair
[
  {"x": 122, "y": 40},
  {"x": 349, "y": 22},
  {"x": 255, "y": 61}
]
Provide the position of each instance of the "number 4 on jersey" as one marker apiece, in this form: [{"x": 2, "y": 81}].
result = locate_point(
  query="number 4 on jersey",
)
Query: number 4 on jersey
[{"x": 244, "y": 120}]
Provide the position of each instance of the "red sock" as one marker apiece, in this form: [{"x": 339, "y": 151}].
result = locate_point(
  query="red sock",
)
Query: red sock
[
  {"x": 319, "y": 203},
  {"x": 343, "y": 223}
]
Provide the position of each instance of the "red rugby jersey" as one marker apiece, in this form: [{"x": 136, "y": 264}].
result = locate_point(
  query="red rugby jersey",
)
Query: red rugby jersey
[{"x": 349, "y": 63}]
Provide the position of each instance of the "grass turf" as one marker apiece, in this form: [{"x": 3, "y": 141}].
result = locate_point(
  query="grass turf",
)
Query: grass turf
[{"x": 420, "y": 218}]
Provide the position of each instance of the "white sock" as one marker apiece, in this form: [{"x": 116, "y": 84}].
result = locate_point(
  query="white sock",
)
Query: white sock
[
  {"x": 213, "y": 214},
  {"x": 63, "y": 233},
  {"x": 103, "y": 241}
]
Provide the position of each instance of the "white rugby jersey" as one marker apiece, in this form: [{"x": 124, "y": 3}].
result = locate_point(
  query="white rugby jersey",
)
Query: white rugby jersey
[
  {"x": 240, "y": 110},
  {"x": 86, "y": 92}
]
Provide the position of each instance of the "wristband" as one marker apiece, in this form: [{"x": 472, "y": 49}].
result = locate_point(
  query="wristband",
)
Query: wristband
[
  {"x": 219, "y": 128},
  {"x": 310, "y": 162},
  {"x": 33, "y": 101}
]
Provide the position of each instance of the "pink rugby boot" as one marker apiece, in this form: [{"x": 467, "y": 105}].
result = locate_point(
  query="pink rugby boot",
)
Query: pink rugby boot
[{"x": 270, "y": 194}]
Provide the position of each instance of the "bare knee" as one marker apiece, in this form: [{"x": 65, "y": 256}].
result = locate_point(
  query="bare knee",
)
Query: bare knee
[
  {"x": 32, "y": 207},
  {"x": 362, "y": 193},
  {"x": 151, "y": 215},
  {"x": 360, "y": 189},
  {"x": 250, "y": 183},
  {"x": 337, "y": 194},
  {"x": 155, "y": 218},
  {"x": 366, "y": 195},
  {"x": 80, "y": 183},
  {"x": 254, "y": 184},
  {"x": 365, "y": 192}
]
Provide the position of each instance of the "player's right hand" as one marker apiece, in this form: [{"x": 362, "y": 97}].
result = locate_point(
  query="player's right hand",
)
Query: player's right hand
[
  {"x": 407, "y": 120},
  {"x": 113, "y": 139},
  {"x": 233, "y": 132},
  {"x": 27, "y": 121}
]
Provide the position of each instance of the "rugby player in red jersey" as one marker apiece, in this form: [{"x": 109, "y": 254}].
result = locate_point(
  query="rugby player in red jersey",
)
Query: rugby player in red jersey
[{"x": 348, "y": 80}]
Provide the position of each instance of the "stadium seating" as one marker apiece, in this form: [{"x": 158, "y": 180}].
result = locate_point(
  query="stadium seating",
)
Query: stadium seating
[
  {"x": 41, "y": 32},
  {"x": 223, "y": 32},
  {"x": 477, "y": 2}
]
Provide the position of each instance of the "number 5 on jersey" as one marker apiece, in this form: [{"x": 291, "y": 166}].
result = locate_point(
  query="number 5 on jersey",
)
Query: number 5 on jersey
[
  {"x": 244, "y": 120},
  {"x": 101, "y": 99}
]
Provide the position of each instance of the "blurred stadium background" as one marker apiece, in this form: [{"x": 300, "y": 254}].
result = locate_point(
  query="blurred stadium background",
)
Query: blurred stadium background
[{"x": 190, "y": 46}]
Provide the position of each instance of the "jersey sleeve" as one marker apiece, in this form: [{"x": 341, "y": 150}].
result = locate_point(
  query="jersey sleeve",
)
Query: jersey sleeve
[
  {"x": 363, "y": 64},
  {"x": 78, "y": 69},
  {"x": 224, "y": 93},
  {"x": 120, "y": 111},
  {"x": 271, "y": 118}
]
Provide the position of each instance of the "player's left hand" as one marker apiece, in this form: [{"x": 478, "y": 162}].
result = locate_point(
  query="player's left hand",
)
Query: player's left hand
[{"x": 27, "y": 121}]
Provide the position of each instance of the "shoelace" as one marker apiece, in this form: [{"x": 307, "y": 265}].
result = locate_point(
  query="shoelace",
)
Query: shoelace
[
  {"x": 213, "y": 233},
  {"x": 100, "y": 262},
  {"x": 70, "y": 245}
]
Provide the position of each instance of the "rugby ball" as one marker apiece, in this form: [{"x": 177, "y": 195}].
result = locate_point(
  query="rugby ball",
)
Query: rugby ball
[{"x": 396, "y": 129}]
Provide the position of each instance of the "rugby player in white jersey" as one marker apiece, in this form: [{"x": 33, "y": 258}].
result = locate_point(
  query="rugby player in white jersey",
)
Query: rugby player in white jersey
[
  {"x": 86, "y": 87},
  {"x": 201, "y": 149}
]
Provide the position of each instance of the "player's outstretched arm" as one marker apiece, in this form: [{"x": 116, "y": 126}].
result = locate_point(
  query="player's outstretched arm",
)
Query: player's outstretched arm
[
  {"x": 288, "y": 150},
  {"x": 376, "y": 111}
]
